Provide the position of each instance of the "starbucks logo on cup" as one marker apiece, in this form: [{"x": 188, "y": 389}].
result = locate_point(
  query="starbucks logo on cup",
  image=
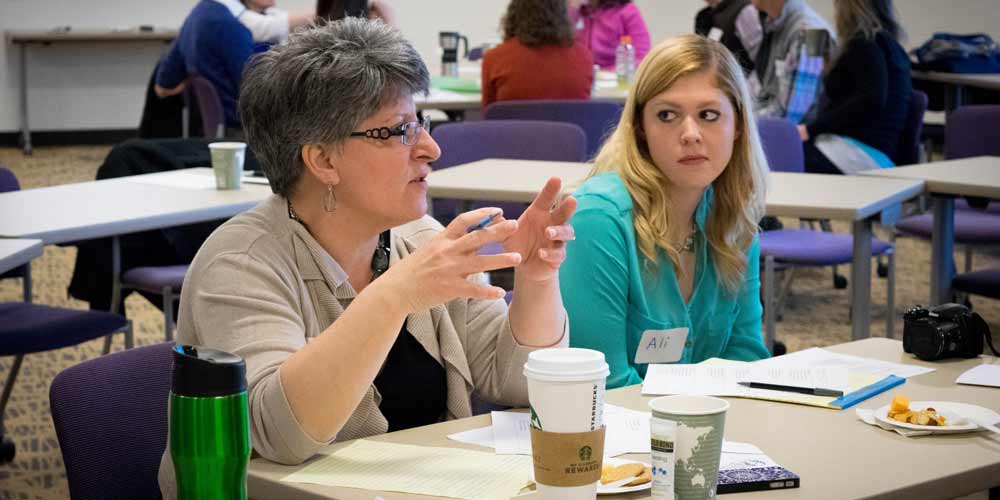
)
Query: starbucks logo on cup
[{"x": 585, "y": 453}]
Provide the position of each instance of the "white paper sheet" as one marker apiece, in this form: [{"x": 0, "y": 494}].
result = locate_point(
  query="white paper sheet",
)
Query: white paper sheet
[
  {"x": 721, "y": 379},
  {"x": 627, "y": 432},
  {"x": 423, "y": 470},
  {"x": 511, "y": 432},
  {"x": 986, "y": 375},
  {"x": 183, "y": 180},
  {"x": 819, "y": 357}
]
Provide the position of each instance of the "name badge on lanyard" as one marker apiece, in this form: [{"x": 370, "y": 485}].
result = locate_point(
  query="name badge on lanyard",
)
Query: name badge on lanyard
[{"x": 661, "y": 346}]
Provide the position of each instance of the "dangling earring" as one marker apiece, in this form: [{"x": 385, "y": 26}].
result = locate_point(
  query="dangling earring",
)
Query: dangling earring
[{"x": 329, "y": 200}]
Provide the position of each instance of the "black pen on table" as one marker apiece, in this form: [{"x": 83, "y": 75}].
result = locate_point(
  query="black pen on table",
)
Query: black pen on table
[{"x": 816, "y": 391}]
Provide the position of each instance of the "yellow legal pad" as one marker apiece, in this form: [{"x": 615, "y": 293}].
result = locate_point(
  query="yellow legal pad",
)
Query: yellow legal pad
[{"x": 423, "y": 470}]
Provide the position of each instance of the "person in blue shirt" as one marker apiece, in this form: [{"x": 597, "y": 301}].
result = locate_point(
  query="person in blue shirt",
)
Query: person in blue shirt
[
  {"x": 666, "y": 225},
  {"x": 213, "y": 44}
]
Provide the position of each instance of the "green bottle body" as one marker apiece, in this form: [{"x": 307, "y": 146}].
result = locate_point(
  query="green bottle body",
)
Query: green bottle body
[{"x": 210, "y": 446}]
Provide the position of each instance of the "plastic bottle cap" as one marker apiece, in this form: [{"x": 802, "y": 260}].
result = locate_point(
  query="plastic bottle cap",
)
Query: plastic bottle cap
[
  {"x": 626, "y": 39},
  {"x": 206, "y": 372}
]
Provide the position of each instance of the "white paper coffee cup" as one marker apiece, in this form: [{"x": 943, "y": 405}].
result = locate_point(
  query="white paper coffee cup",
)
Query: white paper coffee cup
[
  {"x": 227, "y": 163},
  {"x": 566, "y": 391},
  {"x": 697, "y": 447}
]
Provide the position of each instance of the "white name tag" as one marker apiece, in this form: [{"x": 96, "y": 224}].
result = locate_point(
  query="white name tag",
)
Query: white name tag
[
  {"x": 661, "y": 346},
  {"x": 715, "y": 34}
]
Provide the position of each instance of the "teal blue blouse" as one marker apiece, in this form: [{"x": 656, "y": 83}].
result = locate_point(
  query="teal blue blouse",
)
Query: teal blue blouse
[{"x": 611, "y": 299}]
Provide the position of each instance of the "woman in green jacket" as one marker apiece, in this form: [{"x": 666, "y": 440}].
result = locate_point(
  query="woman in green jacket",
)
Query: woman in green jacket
[{"x": 666, "y": 225}]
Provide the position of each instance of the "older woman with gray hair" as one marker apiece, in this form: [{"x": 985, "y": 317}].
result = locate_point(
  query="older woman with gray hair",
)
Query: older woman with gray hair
[{"x": 357, "y": 313}]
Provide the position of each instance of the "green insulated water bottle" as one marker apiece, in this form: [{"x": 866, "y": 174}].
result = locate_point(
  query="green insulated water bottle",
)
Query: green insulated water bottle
[{"x": 209, "y": 424}]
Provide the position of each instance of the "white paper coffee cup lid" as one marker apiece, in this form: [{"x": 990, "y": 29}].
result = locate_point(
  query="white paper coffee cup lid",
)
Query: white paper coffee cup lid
[
  {"x": 227, "y": 145},
  {"x": 566, "y": 365}
]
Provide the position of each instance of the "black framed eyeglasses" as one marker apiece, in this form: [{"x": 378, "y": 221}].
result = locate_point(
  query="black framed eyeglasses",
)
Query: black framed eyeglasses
[{"x": 408, "y": 132}]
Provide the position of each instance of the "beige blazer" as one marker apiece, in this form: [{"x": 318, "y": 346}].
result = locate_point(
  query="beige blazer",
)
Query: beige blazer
[{"x": 261, "y": 287}]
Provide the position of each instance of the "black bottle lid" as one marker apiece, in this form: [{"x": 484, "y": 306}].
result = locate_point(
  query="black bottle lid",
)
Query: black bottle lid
[{"x": 203, "y": 372}]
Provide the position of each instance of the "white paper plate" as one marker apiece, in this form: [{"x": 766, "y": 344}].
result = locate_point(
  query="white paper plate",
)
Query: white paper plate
[
  {"x": 602, "y": 490},
  {"x": 955, "y": 413}
]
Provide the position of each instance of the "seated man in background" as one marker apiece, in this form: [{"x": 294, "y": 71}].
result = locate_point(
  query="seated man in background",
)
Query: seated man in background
[
  {"x": 538, "y": 58},
  {"x": 734, "y": 23},
  {"x": 786, "y": 74},
  {"x": 212, "y": 44},
  {"x": 270, "y": 25}
]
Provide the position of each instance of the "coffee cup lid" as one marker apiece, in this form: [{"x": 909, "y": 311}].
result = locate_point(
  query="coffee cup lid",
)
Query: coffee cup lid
[
  {"x": 227, "y": 145},
  {"x": 205, "y": 372},
  {"x": 566, "y": 365}
]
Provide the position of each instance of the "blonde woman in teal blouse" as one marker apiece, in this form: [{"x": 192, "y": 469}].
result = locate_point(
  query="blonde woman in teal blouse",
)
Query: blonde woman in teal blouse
[{"x": 666, "y": 225}]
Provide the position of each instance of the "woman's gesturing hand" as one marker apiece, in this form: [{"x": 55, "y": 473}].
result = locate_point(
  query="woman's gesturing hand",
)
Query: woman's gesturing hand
[
  {"x": 437, "y": 272},
  {"x": 542, "y": 233}
]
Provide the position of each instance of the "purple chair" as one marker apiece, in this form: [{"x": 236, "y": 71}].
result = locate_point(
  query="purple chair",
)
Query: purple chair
[
  {"x": 985, "y": 282},
  {"x": 792, "y": 248},
  {"x": 465, "y": 142},
  {"x": 596, "y": 118},
  {"x": 202, "y": 93},
  {"x": 969, "y": 131},
  {"x": 110, "y": 416},
  {"x": 165, "y": 281}
]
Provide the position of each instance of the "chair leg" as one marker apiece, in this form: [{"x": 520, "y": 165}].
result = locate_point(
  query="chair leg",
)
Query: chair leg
[
  {"x": 769, "y": 312},
  {"x": 26, "y": 283},
  {"x": 9, "y": 385},
  {"x": 783, "y": 291},
  {"x": 129, "y": 339},
  {"x": 890, "y": 296},
  {"x": 968, "y": 258},
  {"x": 168, "y": 313},
  {"x": 107, "y": 343}
]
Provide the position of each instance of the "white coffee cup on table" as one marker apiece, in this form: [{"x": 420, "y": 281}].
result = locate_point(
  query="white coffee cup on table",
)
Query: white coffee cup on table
[{"x": 227, "y": 163}]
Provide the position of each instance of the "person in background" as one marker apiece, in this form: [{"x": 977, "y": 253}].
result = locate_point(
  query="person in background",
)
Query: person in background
[
  {"x": 600, "y": 24},
  {"x": 212, "y": 44},
  {"x": 867, "y": 91},
  {"x": 355, "y": 311},
  {"x": 332, "y": 10},
  {"x": 270, "y": 25},
  {"x": 538, "y": 58},
  {"x": 786, "y": 76},
  {"x": 735, "y": 23},
  {"x": 666, "y": 224}
]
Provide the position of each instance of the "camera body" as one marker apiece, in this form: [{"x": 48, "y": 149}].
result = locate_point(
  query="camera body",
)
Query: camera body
[{"x": 943, "y": 331}]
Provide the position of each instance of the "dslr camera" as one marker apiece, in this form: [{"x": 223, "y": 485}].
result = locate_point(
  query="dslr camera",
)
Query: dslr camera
[{"x": 945, "y": 331}]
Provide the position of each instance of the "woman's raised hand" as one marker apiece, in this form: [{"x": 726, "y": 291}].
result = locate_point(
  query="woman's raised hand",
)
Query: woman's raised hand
[
  {"x": 542, "y": 233},
  {"x": 437, "y": 272}
]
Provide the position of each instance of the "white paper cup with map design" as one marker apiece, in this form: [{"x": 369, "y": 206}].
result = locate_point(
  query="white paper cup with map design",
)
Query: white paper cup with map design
[
  {"x": 566, "y": 390},
  {"x": 227, "y": 163},
  {"x": 701, "y": 422}
]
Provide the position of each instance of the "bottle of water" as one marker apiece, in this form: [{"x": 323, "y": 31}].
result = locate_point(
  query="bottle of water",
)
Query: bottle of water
[{"x": 625, "y": 62}]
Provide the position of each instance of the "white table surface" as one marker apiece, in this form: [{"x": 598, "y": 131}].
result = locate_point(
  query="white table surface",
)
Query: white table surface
[
  {"x": 18, "y": 252},
  {"x": 123, "y": 205},
  {"x": 983, "y": 80},
  {"x": 836, "y": 455},
  {"x": 976, "y": 176},
  {"x": 837, "y": 197}
]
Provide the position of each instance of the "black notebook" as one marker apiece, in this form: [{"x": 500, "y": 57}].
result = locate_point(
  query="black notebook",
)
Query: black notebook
[{"x": 756, "y": 479}]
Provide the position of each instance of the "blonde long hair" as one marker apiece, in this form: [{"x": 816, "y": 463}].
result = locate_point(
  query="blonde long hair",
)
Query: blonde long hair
[
  {"x": 739, "y": 190},
  {"x": 866, "y": 17}
]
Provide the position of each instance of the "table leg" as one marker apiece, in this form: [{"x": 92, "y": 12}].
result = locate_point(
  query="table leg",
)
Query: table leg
[
  {"x": 25, "y": 129},
  {"x": 942, "y": 247},
  {"x": 116, "y": 289},
  {"x": 861, "y": 286}
]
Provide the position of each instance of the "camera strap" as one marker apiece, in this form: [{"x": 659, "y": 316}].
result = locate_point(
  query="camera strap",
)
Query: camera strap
[{"x": 980, "y": 324}]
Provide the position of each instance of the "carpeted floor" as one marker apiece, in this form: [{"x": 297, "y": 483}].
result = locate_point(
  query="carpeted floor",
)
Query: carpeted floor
[{"x": 816, "y": 315}]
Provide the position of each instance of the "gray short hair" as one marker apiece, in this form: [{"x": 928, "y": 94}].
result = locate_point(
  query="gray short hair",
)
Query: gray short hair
[{"x": 319, "y": 86}]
